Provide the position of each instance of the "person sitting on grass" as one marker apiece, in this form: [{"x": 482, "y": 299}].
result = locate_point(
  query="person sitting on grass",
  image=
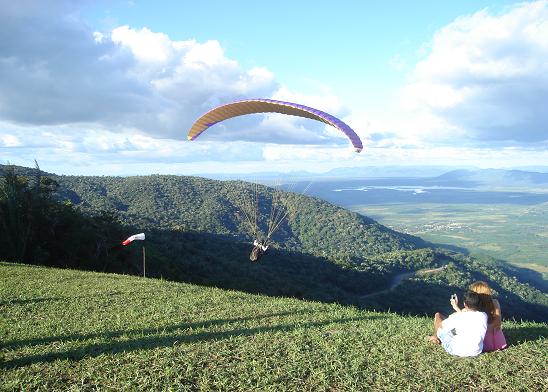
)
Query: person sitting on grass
[
  {"x": 494, "y": 338},
  {"x": 462, "y": 333}
]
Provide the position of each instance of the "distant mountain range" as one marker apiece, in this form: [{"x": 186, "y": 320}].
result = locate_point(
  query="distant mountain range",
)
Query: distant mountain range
[
  {"x": 474, "y": 177},
  {"x": 344, "y": 172},
  {"x": 497, "y": 177},
  {"x": 470, "y": 175}
]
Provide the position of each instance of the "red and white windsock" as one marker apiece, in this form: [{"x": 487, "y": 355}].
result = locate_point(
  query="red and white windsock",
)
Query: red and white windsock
[{"x": 135, "y": 237}]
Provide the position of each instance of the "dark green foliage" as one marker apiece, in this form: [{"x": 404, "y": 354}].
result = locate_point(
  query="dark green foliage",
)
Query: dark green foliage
[
  {"x": 196, "y": 204},
  {"x": 35, "y": 228}
]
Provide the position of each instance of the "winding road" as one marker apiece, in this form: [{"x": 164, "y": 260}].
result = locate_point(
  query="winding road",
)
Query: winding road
[{"x": 399, "y": 278}]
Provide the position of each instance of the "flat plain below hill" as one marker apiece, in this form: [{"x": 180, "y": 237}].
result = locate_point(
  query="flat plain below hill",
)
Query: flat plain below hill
[{"x": 73, "y": 330}]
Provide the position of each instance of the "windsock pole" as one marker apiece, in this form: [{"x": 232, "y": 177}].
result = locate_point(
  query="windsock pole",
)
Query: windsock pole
[
  {"x": 144, "y": 262},
  {"x": 138, "y": 237}
]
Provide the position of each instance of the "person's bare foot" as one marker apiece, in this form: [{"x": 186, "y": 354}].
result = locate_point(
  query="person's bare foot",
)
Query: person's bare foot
[{"x": 433, "y": 339}]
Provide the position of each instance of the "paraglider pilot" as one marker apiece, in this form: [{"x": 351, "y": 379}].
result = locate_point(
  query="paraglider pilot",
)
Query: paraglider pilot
[{"x": 258, "y": 250}]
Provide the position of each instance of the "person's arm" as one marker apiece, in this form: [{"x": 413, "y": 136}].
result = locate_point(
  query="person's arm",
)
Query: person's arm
[
  {"x": 455, "y": 304},
  {"x": 497, "y": 321}
]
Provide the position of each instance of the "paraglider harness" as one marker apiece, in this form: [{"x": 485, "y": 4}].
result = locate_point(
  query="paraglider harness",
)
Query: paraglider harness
[
  {"x": 251, "y": 213},
  {"x": 258, "y": 250}
]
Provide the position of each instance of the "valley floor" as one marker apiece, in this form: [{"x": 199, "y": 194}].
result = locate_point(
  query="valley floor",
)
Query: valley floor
[
  {"x": 515, "y": 233},
  {"x": 72, "y": 330}
]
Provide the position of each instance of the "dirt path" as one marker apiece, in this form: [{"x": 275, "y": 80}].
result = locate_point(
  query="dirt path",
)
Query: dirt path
[
  {"x": 399, "y": 278},
  {"x": 429, "y": 271}
]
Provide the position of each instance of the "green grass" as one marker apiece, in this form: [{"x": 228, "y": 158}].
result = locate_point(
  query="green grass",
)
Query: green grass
[{"x": 71, "y": 330}]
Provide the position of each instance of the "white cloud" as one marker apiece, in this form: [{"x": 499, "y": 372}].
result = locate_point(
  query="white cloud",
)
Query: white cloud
[
  {"x": 145, "y": 45},
  {"x": 326, "y": 102},
  {"x": 10, "y": 141},
  {"x": 487, "y": 76},
  {"x": 67, "y": 150},
  {"x": 208, "y": 55},
  {"x": 67, "y": 73},
  {"x": 307, "y": 153}
]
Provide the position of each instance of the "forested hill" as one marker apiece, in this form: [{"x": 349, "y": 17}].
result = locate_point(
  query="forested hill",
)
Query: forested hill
[
  {"x": 196, "y": 233},
  {"x": 197, "y": 204}
]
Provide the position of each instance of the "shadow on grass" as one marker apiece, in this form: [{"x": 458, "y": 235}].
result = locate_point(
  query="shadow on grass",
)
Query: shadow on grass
[
  {"x": 157, "y": 341},
  {"x": 29, "y": 301},
  {"x": 144, "y": 331},
  {"x": 522, "y": 334}
]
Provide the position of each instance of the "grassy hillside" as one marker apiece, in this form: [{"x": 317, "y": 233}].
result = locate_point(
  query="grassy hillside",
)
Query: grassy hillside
[{"x": 70, "y": 330}]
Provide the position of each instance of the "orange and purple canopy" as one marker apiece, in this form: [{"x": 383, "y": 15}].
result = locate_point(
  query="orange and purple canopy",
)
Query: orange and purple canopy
[{"x": 251, "y": 106}]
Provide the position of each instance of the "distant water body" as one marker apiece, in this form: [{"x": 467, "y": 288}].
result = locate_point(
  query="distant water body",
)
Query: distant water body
[{"x": 385, "y": 191}]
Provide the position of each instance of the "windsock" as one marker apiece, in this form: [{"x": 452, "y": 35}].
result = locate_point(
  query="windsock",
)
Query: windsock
[{"x": 138, "y": 237}]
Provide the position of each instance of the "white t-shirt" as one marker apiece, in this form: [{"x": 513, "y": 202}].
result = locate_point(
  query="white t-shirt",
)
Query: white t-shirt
[{"x": 462, "y": 333}]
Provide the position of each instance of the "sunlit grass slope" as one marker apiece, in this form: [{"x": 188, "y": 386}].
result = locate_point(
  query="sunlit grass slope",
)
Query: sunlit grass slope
[{"x": 72, "y": 330}]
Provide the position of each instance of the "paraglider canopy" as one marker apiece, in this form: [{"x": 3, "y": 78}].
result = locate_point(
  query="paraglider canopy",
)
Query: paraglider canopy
[{"x": 251, "y": 106}]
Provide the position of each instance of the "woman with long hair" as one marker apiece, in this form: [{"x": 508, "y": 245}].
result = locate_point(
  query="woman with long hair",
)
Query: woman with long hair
[{"x": 494, "y": 338}]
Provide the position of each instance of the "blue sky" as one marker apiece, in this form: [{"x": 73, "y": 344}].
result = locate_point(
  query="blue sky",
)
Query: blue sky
[{"x": 112, "y": 87}]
